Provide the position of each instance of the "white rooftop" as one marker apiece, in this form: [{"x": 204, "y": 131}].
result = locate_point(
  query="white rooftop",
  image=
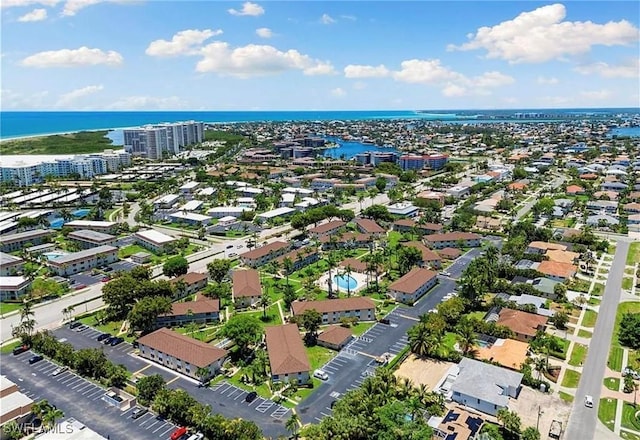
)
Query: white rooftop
[
  {"x": 89, "y": 223},
  {"x": 154, "y": 236},
  {"x": 12, "y": 282},
  {"x": 190, "y": 216},
  {"x": 277, "y": 212},
  {"x": 190, "y": 185},
  {"x": 169, "y": 198},
  {"x": 191, "y": 205}
]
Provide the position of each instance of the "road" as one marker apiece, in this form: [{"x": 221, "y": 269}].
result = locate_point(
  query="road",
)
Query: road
[
  {"x": 529, "y": 205},
  {"x": 583, "y": 420}
]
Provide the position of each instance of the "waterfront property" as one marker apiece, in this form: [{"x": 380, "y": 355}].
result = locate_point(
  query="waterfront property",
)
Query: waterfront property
[
  {"x": 201, "y": 311},
  {"x": 182, "y": 353},
  {"x": 15, "y": 242},
  {"x": 333, "y": 310},
  {"x": 287, "y": 356},
  {"x": 13, "y": 287},
  {"x": 87, "y": 239},
  {"x": 87, "y": 259},
  {"x": 246, "y": 289},
  {"x": 155, "y": 241},
  {"x": 413, "y": 285},
  {"x": 483, "y": 387},
  {"x": 453, "y": 239},
  {"x": 10, "y": 265},
  {"x": 99, "y": 226},
  {"x": 262, "y": 255}
]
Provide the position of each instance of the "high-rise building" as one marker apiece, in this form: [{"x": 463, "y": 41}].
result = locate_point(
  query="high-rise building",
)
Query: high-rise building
[{"x": 154, "y": 141}]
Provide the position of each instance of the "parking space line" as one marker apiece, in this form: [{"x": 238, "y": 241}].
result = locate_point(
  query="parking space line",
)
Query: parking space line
[
  {"x": 99, "y": 396},
  {"x": 173, "y": 380},
  {"x": 83, "y": 387},
  {"x": 159, "y": 428},
  {"x": 163, "y": 434},
  {"x": 232, "y": 393},
  {"x": 240, "y": 395},
  {"x": 152, "y": 425}
]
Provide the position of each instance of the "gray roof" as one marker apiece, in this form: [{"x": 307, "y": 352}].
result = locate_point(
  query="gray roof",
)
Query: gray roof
[
  {"x": 7, "y": 259},
  {"x": 70, "y": 258},
  {"x": 87, "y": 234},
  {"x": 544, "y": 285},
  {"x": 485, "y": 381},
  {"x": 595, "y": 219}
]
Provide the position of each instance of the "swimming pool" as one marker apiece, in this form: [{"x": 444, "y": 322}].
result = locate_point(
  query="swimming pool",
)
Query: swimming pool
[
  {"x": 56, "y": 223},
  {"x": 54, "y": 255},
  {"x": 346, "y": 282},
  {"x": 80, "y": 212}
]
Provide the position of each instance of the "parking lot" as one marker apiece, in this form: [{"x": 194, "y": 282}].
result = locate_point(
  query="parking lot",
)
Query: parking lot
[
  {"x": 228, "y": 401},
  {"x": 86, "y": 279},
  {"x": 123, "y": 266},
  {"x": 81, "y": 399}
]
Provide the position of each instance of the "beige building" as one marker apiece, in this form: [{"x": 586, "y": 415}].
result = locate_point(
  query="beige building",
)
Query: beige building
[
  {"x": 332, "y": 310},
  {"x": 287, "y": 356},
  {"x": 246, "y": 290}
]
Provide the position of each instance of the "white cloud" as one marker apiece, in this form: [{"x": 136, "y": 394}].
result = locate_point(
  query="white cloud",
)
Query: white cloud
[
  {"x": 148, "y": 103},
  {"x": 361, "y": 71},
  {"x": 327, "y": 19},
  {"x": 71, "y": 7},
  {"x": 23, "y": 3},
  {"x": 68, "y": 99},
  {"x": 35, "y": 15},
  {"x": 542, "y": 35},
  {"x": 257, "y": 60},
  {"x": 432, "y": 72},
  {"x": 264, "y": 32},
  {"x": 17, "y": 100},
  {"x": 630, "y": 69},
  {"x": 248, "y": 8},
  {"x": 547, "y": 81},
  {"x": 596, "y": 95},
  {"x": 187, "y": 42},
  {"x": 82, "y": 56},
  {"x": 338, "y": 92}
]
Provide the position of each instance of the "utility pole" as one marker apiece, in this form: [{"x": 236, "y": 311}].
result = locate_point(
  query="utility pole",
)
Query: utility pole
[{"x": 540, "y": 412}]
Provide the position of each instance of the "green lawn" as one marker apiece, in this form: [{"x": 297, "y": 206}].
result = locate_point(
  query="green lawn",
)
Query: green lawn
[
  {"x": 613, "y": 383},
  {"x": 128, "y": 251},
  {"x": 589, "y": 319},
  {"x": 598, "y": 289},
  {"x": 578, "y": 355},
  {"x": 361, "y": 327},
  {"x": 584, "y": 334},
  {"x": 594, "y": 301},
  {"x": 627, "y": 283},
  {"x": 627, "y": 435},
  {"x": 615, "y": 358},
  {"x": 6, "y": 349},
  {"x": 634, "y": 254},
  {"x": 566, "y": 396},
  {"x": 393, "y": 238},
  {"x": 318, "y": 356},
  {"x": 9, "y": 307},
  {"x": 273, "y": 315},
  {"x": 109, "y": 327},
  {"x": 571, "y": 379},
  {"x": 607, "y": 412}
]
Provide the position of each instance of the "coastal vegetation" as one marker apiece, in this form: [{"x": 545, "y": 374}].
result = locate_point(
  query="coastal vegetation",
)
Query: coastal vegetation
[{"x": 83, "y": 142}]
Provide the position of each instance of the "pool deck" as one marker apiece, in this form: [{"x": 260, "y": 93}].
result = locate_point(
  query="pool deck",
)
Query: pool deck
[{"x": 361, "y": 280}]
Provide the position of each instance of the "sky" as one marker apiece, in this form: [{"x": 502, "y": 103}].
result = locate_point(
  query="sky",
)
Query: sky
[{"x": 329, "y": 55}]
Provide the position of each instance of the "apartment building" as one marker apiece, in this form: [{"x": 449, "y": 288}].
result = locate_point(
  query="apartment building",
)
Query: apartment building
[
  {"x": 410, "y": 288},
  {"x": 87, "y": 259},
  {"x": 287, "y": 356},
  {"x": 98, "y": 226},
  {"x": 15, "y": 242},
  {"x": 262, "y": 255},
  {"x": 155, "y": 241},
  {"x": 453, "y": 239},
  {"x": 201, "y": 311},
  {"x": 332, "y": 310},
  {"x": 13, "y": 287},
  {"x": 10, "y": 265},
  {"x": 87, "y": 238},
  {"x": 246, "y": 290}
]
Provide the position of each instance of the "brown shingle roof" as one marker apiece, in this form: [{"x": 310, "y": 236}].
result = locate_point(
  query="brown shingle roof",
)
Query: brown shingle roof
[
  {"x": 427, "y": 254},
  {"x": 369, "y": 226},
  {"x": 264, "y": 250},
  {"x": 333, "y": 305},
  {"x": 553, "y": 268},
  {"x": 335, "y": 335},
  {"x": 450, "y": 253},
  {"x": 201, "y": 306},
  {"x": 523, "y": 323},
  {"x": 191, "y": 278},
  {"x": 287, "y": 354},
  {"x": 356, "y": 265},
  {"x": 412, "y": 280},
  {"x": 452, "y": 236},
  {"x": 183, "y": 347},
  {"x": 327, "y": 227},
  {"x": 246, "y": 283}
]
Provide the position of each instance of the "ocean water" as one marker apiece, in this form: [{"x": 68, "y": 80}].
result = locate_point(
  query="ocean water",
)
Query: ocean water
[
  {"x": 33, "y": 123},
  {"x": 625, "y": 131},
  {"x": 348, "y": 149}
]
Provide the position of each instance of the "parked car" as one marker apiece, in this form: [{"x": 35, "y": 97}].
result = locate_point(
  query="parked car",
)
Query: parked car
[
  {"x": 59, "y": 370},
  {"x": 630, "y": 372},
  {"x": 139, "y": 412},
  {"x": 105, "y": 279},
  {"x": 36, "y": 358},
  {"x": 230, "y": 246},
  {"x": 384, "y": 321},
  {"x": 19, "y": 350},
  {"x": 588, "y": 401},
  {"x": 103, "y": 336},
  {"x": 81, "y": 328},
  {"x": 108, "y": 269},
  {"x": 446, "y": 274},
  {"x": 75, "y": 324},
  {"x": 80, "y": 286},
  {"x": 175, "y": 435},
  {"x": 115, "y": 341},
  {"x": 322, "y": 375},
  {"x": 233, "y": 254},
  {"x": 251, "y": 397},
  {"x": 108, "y": 340}
]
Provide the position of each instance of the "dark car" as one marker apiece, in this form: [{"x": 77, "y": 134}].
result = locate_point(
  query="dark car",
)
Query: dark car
[
  {"x": 21, "y": 349},
  {"x": 36, "y": 358},
  {"x": 116, "y": 341},
  {"x": 103, "y": 336},
  {"x": 75, "y": 324},
  {"x": 139, "y": 412},
  {"x": 384, "y": 321},
  {"x": 251, "y": 397},
  {"x": 107, "y": 269},
  {"x": 230, "y": 246},
  {"x": 108, "y": 340}
]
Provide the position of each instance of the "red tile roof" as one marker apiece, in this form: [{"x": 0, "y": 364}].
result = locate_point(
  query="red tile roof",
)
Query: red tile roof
[
  {"x": 523, "y": 323},
  {"x": 333, "y": 305},
  {"x": 452, "y": 236},
  {"x": 335, "y": 335},
  {"x": 553, "y": 268},
  {"x": 191, "y": 278},
  {"x": 287, "y": 354},
  {"x": 427, "y": 254},
  {"x": 413, "y": 280},
  {"x": 183, "y": 347},
  {"x": 264, "y": 250},
  {"x": 326, "y": 227},
  {"x": 369, "y": 226},
  {"x": 246, "y": 283},
  {"x": 205, "y": 305}
]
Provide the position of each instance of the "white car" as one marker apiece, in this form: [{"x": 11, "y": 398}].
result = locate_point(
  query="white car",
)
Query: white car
[
  {"x": 588, "y": 401},
  {"x": 322, "y": 375},
  {"x": 59, "y": 370},
  {"x": 433, "y": 311}
]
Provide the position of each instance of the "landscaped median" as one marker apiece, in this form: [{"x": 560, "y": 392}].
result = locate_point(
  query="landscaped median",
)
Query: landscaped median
[
  {"x": 578, "y": 355},
  {"x": 571, "y": 379},
  {"x": 616, "y": 352},
  {"x": 607, "y": 412}
]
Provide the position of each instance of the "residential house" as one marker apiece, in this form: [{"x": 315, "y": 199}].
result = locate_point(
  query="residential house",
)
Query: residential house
[
  {"x": 367, "y": 226},
  {"x": 453, "y": 239},
  {"x": 602, "y": 205},
  {"x": 536, "y": 301},
  {"x": 10, "y": 265},
  {"x": 155, "y": 241},
  {"x": 246, "y": 290},
  {"x": 602, "y": 220},
  {"x": 335, "y": 337},
  {"x": 262, "y": 255},
  {"x": 575, "y": 190},
  {"x": 524, "y": 325},
  {"x": 87, "y": 239},
  {"x": 333, "y": 310},
  {"x": 561, "y": 256},
  {"x": 613, "y": 186},
  {"x": 326, "y": 229},
  {"x": 631, "y": 208},
  {"x": 193, "y": 282},
  {"x": 201, "y": 311},
  {"x": 431, "y": 196},
  {"x": 484, "y": 387},
  {"x": 410, "y": 288},
  {"x": 542, "y": 247},
  {"x": 429, "y": 257},
  {"x": 287, "y": 356},
  {"x": 458, "y": 424},
  {"x": 557, "y": 271},
  {"x": 84, "y": 260},
  {"x": 488, "y": 223},
  {"x": 181, "y": 353}
]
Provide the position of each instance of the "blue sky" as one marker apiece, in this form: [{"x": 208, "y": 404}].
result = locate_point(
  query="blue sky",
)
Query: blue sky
[{"x": 303, "y": 55}]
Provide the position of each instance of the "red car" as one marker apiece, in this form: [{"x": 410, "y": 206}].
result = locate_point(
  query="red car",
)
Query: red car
[
  {"x": 178, "y": 433},
  {"x": 105, "y": 279},
  {"x": 80, "y": 287}
]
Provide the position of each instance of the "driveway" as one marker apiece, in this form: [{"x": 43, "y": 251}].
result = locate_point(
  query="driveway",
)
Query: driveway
[
  {"x": 81, "y": 399},
  {"x": 583, "y": 420}
]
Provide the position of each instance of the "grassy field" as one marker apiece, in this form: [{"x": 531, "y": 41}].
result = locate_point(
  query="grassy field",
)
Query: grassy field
[
  {"x": 615, "y": 355},
  {"x": 627, "y": 283},
  {"x": 361, "y": 327},
  {"x": 626, "y": 435},
  {"x": 578, "y": 355},
  {"x": 318, "y": 356},
  {"x": 634, "y": 254},
  {"x": 584, "y": 334},
  {"x": 6, "y": 349},
  {"x": 613, "y": 383},
  {"x": 607, "y": 412},
  {"x": 74, "y": 143},
  {"x": 8, "y": 307},
  {"x": 571, "y": 379},
  {"x": 566, "y": 396},
  {"x": 589, "y": 319},
  {"x": 615, "y": 358}
]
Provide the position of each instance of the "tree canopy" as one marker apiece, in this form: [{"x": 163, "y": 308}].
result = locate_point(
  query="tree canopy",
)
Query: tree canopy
[{"x": 175, "y": 266}]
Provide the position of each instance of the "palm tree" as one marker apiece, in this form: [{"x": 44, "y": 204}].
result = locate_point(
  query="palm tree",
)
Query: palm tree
[
  {"x": 361, "y": 198},
  {"x": 39, "y": 408},
  {"x": 51, "y": 416},
  {"x": 203, "y": 374},
  {"x": 265, "y": 302},
  {"x": 347, "y": 271},
  {"x": 293, "y": 424},
  {"x": 466, "y": 336},
  {"x": 540, "y": 365},
  {"x": 287, "y": 265},
  {"x": 261, "y": 361},
  {"x": 12, "y": 430}
]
